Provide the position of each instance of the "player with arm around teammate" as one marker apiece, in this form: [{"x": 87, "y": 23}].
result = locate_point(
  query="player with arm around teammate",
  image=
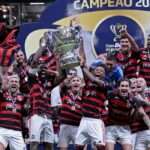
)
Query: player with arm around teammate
[
  {"x": 70, "y": 113},
  {"x": 11, "y": 115},
  {"x": 91, "y": 128}
]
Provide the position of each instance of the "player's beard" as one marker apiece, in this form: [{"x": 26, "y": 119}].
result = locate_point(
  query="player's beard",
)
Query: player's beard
[
  {"x": 20, "y": 61},
  {"x": 75, "y": 90},
  {"x": 14, "y": 90}
]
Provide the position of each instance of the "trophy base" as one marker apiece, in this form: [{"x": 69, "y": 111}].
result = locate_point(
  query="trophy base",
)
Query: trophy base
[
  {"x": 69, "y": 66},
  {"x": 69, "y": 62}
]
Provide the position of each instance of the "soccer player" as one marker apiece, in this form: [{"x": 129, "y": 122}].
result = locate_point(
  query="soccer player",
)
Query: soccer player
[
  {"x": 20, "y": 67},
  {"x": 119, "y": 117},
  {"x": 140, "y": 125},
  {"x": 91, "y": 128},
  {"x": 11, "y": 115},
  {"x": 133, "y": 90},
  {"x": 56, "y": 91},
  {"x": 40, "y": 122},
  {"x": 133, "y": 86},
  {"x": 94, "y": 95},
  {"x": 70, "y": 113},
  {"x": 127, "y": 55},
  {"x": 144, "y": 63}
]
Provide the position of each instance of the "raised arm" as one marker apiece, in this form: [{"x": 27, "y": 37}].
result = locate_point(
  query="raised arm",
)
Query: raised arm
[
  {"x": 42, "y": 46},
  {"x": 82, "y": 53},
  {"x": 91, "y": 77},
  {"x": 85, "y": 70},
  {"x": 125, "y": 34}
]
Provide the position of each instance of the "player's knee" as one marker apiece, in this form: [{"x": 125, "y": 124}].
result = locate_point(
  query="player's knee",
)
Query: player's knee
[
  {"x": 2, "y": 146},
  {"x": 100, "y": 147},
  {"x": 34, "y": 145}
]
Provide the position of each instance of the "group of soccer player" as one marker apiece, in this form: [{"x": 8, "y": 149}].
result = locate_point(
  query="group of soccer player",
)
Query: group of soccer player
[{"x": 108, "y": 104}]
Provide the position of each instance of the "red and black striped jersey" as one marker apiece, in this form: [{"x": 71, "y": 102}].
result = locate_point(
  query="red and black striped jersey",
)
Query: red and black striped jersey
[
  {"x": 93, "y": 99},
  {"x": 144, "y": 63},
  {"x": 129, "y": 63},
  {"x": 11, "y": 111},
  {"x": 138, "y": 123},
  {"x": 39, "y": 100},
  {"x": 119, "y": 110},
  {"x": 70, "y": 112},
  {"x": 50, "y": 60}
]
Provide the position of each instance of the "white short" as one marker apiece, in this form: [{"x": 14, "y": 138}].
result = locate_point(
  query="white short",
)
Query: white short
[
  {"x": 142, "y": 140},
  {"x": 56, "y": 138},
  {"x": 133, "y": 140},
  {"x": 13, "y": 138},
  {"x": 90, "y": 130},
  {"x": 55, "y": 97},
  {"x": 116, "y": 133},
  {"x": 40, "y": 129},
  {"x": 67, "y": 134}
]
